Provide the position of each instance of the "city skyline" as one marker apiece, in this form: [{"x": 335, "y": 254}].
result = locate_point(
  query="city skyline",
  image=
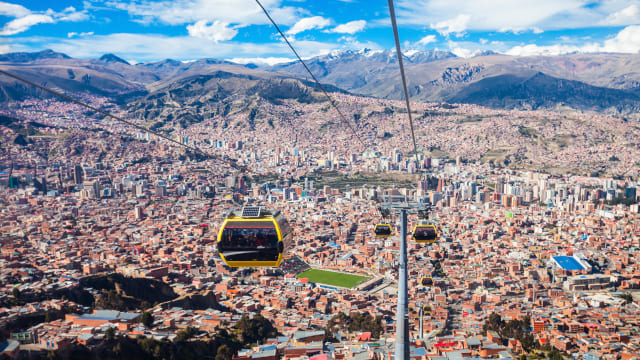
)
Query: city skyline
[{"x": 93, "y": 211}]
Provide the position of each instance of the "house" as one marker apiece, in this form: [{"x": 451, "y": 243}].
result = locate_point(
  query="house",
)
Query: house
[{"x": 10, "y": 348}]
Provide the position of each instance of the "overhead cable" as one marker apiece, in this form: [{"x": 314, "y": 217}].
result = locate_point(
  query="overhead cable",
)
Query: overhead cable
[
  {"x": 404, "y": 81},
  {"x": 331, "y": 101}
]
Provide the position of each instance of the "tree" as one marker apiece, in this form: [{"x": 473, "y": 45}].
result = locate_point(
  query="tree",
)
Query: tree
[
  {"x": 354, "y": 323},
  {"x": 554, "y": 355},
  {"x": 146, "y": 344},
  {"x": 224, "y": 353},
  {"x": 256, "y": 329},
  {"x": 494, "y": 323},
  {"x": 117, "y": 349},
  {"x": 158, "y": 353},
  {"x": 627, "y": 297},
  {"x": 147, "y": 319},
  {"x": 16, "y": 292},
  {"x": 186, "y": 334},
  {"x": 110, "y": 333}
]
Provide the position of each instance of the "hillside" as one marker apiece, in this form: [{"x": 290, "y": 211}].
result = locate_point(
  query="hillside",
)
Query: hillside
[
  {"x": 192, "y": 99},
  {"x": 538, "y": 91},
  {"x": 169, "y": 89},
  {"x": 601, "y": 82}
]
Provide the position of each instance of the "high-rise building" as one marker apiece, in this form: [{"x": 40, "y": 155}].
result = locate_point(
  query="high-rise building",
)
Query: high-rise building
[
  {"x": 423, "y": 185},
  {"x": 161, "y": 190},
  {"x": 608, "y": 184},
  {"x": 78, "y": 175},
  {"x": 500, "y": 186},
  {"x": 630, "y": 193}
]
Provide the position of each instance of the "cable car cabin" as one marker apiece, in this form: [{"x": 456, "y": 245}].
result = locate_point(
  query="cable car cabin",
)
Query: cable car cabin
[
  {"x": 382, "y": 230},
  {"x": 255, "y": 238},
  {"x": 425, "y": 233},
  {"x": 427, "y": 281}
]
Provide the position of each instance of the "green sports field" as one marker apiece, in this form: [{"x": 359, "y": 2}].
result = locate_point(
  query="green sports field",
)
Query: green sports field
[{"x": 332, "y": 278}]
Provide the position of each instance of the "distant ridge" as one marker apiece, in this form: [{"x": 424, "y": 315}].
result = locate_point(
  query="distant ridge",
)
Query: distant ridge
[
  {"x": 113, "y": 59},
  {"x": 600, "y": 82},
  {"x": 536, "y": 90},
  {"x": 607, "y": 83},
  {"x": 23, "y": 57}
]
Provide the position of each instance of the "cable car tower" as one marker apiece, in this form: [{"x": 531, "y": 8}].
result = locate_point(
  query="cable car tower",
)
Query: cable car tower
[{"x": 402, "y": 206}]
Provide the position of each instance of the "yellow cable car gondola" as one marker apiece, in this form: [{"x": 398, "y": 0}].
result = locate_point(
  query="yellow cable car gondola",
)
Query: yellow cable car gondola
[
  {"x": 425, "y": 233},
  {"x": 382, "y": 230},
  {"x": 255, "y": 238},
  {"x": 427, "y": 281}
]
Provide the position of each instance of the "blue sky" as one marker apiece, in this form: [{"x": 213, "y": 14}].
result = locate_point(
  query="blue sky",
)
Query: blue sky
[{"x": 151, "y": 30}]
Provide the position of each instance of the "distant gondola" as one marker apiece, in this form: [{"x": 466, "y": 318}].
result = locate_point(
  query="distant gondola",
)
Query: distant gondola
[
  {"x": 382, "y": 230},
  {"x": 425, "y": 233},
  {"x": 255, "y": 238}
]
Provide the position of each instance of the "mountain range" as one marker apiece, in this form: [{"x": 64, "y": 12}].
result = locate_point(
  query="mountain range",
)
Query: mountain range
[{"x": 607, "y": 83}]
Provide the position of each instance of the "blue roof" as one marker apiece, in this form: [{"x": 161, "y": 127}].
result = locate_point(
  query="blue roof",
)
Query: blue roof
[
  {"x": 420, "y": 351},
  {"x": 568, "y": 263}
]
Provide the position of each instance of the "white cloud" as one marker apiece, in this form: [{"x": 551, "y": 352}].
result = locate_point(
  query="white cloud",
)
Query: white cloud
[
  {"x": 73, "y": 33},
  {"x": 262, "y": 61},
  {"x": 427, "y": 40},
  {"x": 627, "y": 16},
  {"x": 463, "y": 52},
  {"x": 314, "y": 22},
  {"x": 534, "y": 50},
  {"x": 626, "y": 41},
  {"x": 25, "y": 19},
  {"x": 154, "y": 47},
  {"x": 456, "y": 25},
  {"x": 178, "y": 12},
  {"x": 24, "y": 23},
  {"x": 502, "y": 15},
  {"x": 217, "y": 31},
  {"x": 70, "y": 14},
  {"x": 351, "y": 27},
  {"x": 13, "y": 10},
  {"x": 5, "y": 49},
  {"x": 351, "y": 42}
]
